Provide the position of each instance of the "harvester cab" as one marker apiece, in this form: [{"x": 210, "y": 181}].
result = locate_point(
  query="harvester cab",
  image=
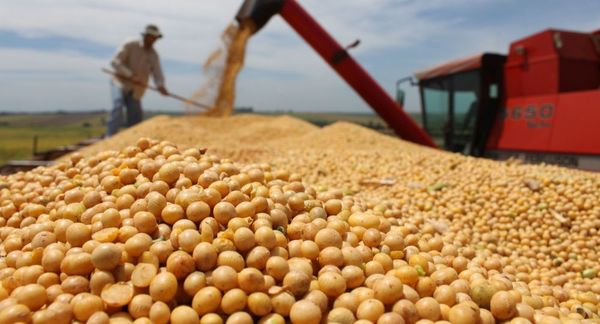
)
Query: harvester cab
[
  {"x": 460, "y": 100},
  {"x": 539, "y": 103}
]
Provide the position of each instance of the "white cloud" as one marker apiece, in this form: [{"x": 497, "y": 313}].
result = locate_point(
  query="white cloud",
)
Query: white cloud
[
  {"x": 190, "y": 26},
  {"x": 29, "y": 60},
  {"x": 192, "y": 29}
]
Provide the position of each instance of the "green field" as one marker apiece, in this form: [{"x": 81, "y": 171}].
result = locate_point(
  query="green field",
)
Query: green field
[{"x": 53, "y": 130}]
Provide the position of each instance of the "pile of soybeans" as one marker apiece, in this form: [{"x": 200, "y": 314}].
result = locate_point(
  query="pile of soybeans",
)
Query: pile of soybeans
[{"x": 279, "y": 221}]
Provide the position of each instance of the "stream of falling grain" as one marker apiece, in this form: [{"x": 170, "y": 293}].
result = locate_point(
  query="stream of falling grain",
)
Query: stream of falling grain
[{"x": 222, "y": 68}]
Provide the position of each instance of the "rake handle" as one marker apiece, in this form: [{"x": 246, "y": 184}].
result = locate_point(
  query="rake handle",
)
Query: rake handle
[{"x": 172, "y": 95}]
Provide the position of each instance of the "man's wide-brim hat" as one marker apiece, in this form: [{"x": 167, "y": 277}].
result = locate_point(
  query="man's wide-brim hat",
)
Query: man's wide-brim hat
[{"x": 152, "y": 30}]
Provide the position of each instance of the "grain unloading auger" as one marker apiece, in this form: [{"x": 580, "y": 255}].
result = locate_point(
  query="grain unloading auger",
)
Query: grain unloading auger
[{"x": 258, "y": 12}]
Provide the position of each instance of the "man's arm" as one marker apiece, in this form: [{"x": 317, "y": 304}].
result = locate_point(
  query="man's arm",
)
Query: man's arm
[
  {"x": 158, "y": 77},
  {"x": 118, "y": 61}
]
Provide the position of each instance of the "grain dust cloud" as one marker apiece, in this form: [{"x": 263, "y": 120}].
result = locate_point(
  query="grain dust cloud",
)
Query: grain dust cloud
[{"x": 222, "y": 68}]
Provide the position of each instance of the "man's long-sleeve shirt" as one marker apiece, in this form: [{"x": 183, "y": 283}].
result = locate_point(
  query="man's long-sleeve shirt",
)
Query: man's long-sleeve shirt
[{"x": 132, "y": 60}]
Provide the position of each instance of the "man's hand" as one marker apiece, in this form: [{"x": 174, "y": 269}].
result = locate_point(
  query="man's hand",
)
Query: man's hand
[{"x": 163, "y": 91}]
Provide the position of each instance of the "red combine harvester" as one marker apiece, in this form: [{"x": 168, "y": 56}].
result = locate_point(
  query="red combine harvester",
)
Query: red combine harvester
[{"x": 539, "y": 103}]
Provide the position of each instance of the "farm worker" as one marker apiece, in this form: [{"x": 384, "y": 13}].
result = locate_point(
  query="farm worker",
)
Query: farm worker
[{"x": 134, "y": 62}]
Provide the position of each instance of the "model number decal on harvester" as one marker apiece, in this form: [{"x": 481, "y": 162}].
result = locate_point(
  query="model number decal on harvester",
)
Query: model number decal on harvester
[{"x": 535, "y": 116}]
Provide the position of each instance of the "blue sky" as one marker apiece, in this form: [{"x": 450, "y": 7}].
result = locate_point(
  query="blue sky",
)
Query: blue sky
[{"x": 51, "y": 52}]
